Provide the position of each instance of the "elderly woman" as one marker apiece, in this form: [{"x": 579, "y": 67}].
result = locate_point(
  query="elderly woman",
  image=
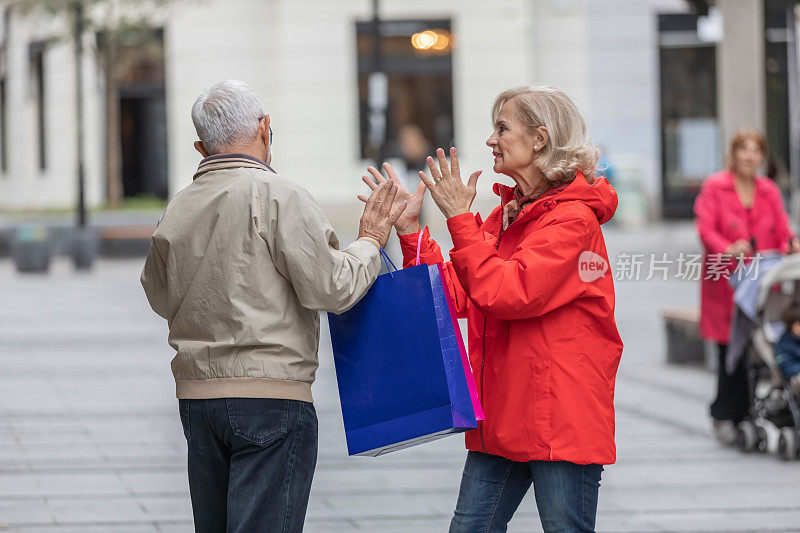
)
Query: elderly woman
[
  {"x": 543, "y": 342},
  {"x": 737, "y": 212}
]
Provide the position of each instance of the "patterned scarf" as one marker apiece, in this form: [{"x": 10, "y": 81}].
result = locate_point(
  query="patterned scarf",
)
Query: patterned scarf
[{"x": 512, "y": 208}]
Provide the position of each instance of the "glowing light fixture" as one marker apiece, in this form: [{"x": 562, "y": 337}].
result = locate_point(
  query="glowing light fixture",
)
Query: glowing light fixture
[
  {"x": 431, "y": 40},
  {"x": 442, "y": 42}
]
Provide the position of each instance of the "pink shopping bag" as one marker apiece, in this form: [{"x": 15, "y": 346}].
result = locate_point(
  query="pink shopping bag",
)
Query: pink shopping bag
[{"x": 473, "y": 390}]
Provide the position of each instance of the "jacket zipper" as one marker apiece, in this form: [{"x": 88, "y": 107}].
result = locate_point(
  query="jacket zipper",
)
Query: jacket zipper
[
  {"x": 483, "y": 361},
  {"x": 483, "y": 355},
  {"x": 486, "y": 320}
]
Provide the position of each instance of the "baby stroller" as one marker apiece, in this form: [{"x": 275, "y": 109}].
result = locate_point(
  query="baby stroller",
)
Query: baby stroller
[{"x": 774, "y": 422}]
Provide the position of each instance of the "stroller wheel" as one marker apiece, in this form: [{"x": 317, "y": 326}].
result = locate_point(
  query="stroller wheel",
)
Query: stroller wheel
[
  {"x": 787, "y": 444},
  {"x": 761, "y": 439},
  {"x": 771, "y": 432},
  {"x": 746, "y": 438}
]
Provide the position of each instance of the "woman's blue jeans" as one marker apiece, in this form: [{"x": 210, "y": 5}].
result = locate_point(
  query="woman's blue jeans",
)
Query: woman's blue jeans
[{"x": 492, "y": 488}]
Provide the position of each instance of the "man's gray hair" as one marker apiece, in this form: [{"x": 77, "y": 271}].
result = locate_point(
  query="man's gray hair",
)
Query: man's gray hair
[{"x": 226, "y": 116}]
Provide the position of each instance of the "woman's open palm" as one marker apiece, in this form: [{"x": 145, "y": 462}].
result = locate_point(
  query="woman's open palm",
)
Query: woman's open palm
[{"x": 452, "y": 195}]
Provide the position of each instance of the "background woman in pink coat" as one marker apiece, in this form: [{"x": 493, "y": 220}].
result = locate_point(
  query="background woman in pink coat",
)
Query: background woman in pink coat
[{"x": 737, "y": 212}]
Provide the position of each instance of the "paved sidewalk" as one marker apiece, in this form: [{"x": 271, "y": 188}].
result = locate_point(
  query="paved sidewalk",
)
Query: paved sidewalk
[{"x": 90, "y": 439}]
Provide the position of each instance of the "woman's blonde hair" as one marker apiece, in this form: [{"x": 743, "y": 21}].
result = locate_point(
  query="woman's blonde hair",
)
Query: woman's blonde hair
[{"x": 570, "y": 149}]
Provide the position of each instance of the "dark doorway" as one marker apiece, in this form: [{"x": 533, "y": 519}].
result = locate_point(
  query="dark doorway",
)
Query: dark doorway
[
  {"x": 36, "y": 52},
  {"x": 143, "y": 128},
  {"x": 136, "y": 114}
]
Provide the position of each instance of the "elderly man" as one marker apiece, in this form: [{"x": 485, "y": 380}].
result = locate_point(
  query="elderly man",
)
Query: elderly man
[{"x": 240, "y": 264}]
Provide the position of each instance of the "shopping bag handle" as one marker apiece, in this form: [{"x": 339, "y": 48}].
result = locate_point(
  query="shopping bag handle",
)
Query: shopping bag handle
[
  {"x": 385, "y": 259},
  {"x": 419, "y": 245}
]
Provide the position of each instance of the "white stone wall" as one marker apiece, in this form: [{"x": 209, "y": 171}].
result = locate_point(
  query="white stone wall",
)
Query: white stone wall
[
  {"x": 560, "y": 47},
  {"x": 24, "y": 185},
  {"x": 623, "y": 76}
]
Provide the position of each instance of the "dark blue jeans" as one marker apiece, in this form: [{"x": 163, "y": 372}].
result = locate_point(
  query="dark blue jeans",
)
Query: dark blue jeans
[
  {"x": 492, "y": 488},
  {"x": 251, "y": 462}
]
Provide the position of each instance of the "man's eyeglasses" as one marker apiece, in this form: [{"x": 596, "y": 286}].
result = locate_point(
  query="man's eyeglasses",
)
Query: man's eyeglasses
[{"x": 270, "y": 129}]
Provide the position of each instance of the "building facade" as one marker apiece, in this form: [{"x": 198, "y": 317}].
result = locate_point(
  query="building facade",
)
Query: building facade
[{"x": 641, "y": 70}]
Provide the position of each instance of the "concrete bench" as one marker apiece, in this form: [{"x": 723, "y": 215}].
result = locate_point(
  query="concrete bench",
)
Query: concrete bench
[
  {"x": 126, "y": 241},
  {"x": 684, "y": 344}
]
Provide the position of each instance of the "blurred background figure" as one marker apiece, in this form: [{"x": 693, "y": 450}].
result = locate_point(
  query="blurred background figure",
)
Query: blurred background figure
[
  {"x": 414, "y": 148},
  {"x": 605, "y": 167},
  {"x": 738, "y": 213}
]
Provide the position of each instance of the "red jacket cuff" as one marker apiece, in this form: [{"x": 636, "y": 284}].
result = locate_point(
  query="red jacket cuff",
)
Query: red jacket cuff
[
  {"x": 465, "y": 230},
  {"x": 408, "y": 244},
  {"x": 410, "y": 239}
]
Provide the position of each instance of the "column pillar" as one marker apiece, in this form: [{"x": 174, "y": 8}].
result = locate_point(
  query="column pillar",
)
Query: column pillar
[{"x": 740, "y": 67}]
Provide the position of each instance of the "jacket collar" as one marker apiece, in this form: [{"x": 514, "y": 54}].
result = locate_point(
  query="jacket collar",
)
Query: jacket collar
[
  {"x": 599, "y": 196},
  {"x": 727, "y": 180},
  {"x": 538, "y": 206},
  {"x": 224, "y": 161}
]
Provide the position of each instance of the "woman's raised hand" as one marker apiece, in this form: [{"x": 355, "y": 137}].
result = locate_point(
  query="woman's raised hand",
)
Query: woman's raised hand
[
  {"x": 408, "y": 222},
  {"x": 447, "y": 189}
]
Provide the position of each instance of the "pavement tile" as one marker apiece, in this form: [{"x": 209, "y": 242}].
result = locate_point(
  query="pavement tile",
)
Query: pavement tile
[
  {"x": 397, "y": 524},
  {"x": 176, "y": 528},
  {"x": 168, "y": 508},
  {"x": 137, "y": 449},
  {"x": 97, "y": 510},
  {"x": 155, "y": 482},
  {"x": 762, "y": 520},
  {"x": 629, "y": 522},
  {"x": 87, "y": 528},
  {"x": 333, "y": 526},
  {"x": 29, "y": 512},
  {"x": 326, "y": 481},
  {"x": 80, "y": 483},
  {"x": 18, "y": 484},
  {"x": 67, "y": 451},
  {"x": 378, "y": 504},
  {"x": 54, "y": 439}
]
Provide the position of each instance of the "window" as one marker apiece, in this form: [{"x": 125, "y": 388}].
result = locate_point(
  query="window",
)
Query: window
[
  {"x": 691, "y": 147},
  {"x": 3, "y": 129},
  {"x": 6, "y": 23},
  {"x": 776, "y": 66},
  {"x": 37, "y": 93},
  {"x": 416, "y": 58}
]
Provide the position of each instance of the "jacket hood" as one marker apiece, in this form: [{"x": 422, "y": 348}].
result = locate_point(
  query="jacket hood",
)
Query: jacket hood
[{"x": 599, "y": 196}]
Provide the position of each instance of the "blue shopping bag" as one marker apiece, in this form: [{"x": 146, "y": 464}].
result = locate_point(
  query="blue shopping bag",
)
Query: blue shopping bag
[{"x": 398, "y": 365}]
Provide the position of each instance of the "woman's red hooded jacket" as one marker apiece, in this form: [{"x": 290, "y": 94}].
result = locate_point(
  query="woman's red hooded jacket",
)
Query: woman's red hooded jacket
[{"x": 539, "y": 303}]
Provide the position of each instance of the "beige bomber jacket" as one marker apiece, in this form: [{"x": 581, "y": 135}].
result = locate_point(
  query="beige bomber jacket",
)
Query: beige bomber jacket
[{"x": 240, "y": 264}]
